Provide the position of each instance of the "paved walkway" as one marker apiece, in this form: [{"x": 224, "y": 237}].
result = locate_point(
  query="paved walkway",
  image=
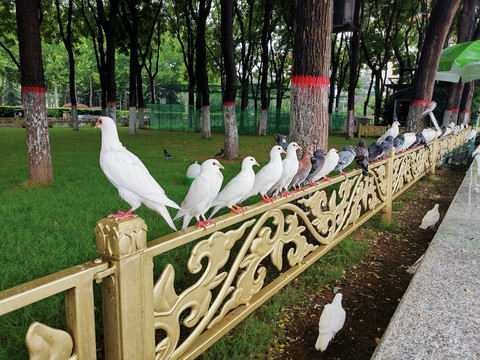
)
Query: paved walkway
[{"x": 439, "y": 315}]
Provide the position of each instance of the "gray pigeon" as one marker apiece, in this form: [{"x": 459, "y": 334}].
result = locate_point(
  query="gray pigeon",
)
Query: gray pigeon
[
  {"x": 281, "y": 139},
  {"x": 419, "y": 140},
  {"x": 374, "y": 151},
  {"x": 398, "y": 142},
  {"x": 386, "y": 146},
  {"x": 345, "y": 157},
  {"x": 318, "y": 161},
  {"x": 361, "y": 156}
]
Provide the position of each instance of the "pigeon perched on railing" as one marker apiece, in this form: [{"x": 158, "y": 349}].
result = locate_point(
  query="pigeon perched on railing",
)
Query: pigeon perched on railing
[
  {"x": 393, "y": 131},
  {"x": 331, "y": 321},
  {"x": 167, "y": 155},
  {"x": 282, "y": 140},
  {"x": 289, "y": 170},
  {"x": 318, "y": 161},
  {"x": 374, "y": 151},
  {"x": 268, "y": 175},
  {"x": 470, "y": 135},
  {"x": 361, "y": 156},
  {"x": 419, "y": 140},
  {"x": 345, "y": 158},
  {"x": 304, "y": 167},
  {"x": 331, "y": 161},
  {"x": 236, "y": 189},
  {"x": 430, "y": 218},
  {"x": 386, "y": 147},
  {"x": 398, "y": 142},
  {"x": 130, "y": 176},
  {"x": 202, "y": 192}
]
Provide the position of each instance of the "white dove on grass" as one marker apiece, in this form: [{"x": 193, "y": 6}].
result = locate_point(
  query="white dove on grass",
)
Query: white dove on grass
[
  {"x": 290, "y": 168},
  {"x": 268, "y": 175},
  {"x": 237, "y": 188},
  {"x": 331, "y": 161},
  {"x": 331, "y": 321},
  {"x": 430, "y": 218},
  {"x": 130, "y": 176},
  {"x": 202, "y": 192}
]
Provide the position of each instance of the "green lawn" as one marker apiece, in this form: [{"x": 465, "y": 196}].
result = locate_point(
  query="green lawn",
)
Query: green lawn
[{"x": 47, "y": 229}]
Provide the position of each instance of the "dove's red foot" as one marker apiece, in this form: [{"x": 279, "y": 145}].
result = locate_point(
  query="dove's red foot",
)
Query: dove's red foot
[
  {"x": 285, "y": 194},
  {"x": 312, "y": 183},
  {"x": 384, "y": 158},
  {"x": 267, "y": 199},
  {"x": 121, "y": 214},
  {"x": 203, "y": 224},
  {"x": 357, "y": 167},
  {"x": 341, "y": 172},
  {"x": 327, "y": 178},
  {"x": 238, "y": 209},
  {"x": 299, "y": 189}
]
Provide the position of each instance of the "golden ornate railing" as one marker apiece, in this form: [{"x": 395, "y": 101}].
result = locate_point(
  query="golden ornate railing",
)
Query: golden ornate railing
[{"x": 230, "y": 269}]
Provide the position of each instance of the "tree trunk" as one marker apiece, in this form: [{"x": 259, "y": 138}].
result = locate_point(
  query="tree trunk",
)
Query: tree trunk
[
  {"x": 466, "y": 18},
  {"x": 201, "y": 66},
  {"x": 262, "y": 130},
  {"x": 231, "y": 83},
  {"x": 441, "y": 18},
  {"x": 33, "y": 91},
  {"x": 466, "y": 103},
  {"x": 353, "y": 76},
  {"x": 310, "y": 73}
]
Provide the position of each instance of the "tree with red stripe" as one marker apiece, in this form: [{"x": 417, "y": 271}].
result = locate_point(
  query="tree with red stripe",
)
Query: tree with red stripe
[
  {"x": 33, "y": 91},
  {"x": 312, "y": 33}
]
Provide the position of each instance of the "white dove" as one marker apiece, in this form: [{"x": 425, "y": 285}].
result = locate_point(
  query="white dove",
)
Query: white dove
[
  {"x": 331, "y": 161},
  {"x": 430, "y": 218},
  {"x": 268, "y": 175},
  {"x": 331, "y": 321},
  {"x": 409, "y": 140},
  {"x": 429, "y": 134},
  {"x": 471, "y": 135},
  {"x": 202, "y": 192},
  {"x": 290, "y": 168},
  {"x": 237, "y": 188},
  {"x": 130, "y": 176},
  {"x": 393, "y": 131}
]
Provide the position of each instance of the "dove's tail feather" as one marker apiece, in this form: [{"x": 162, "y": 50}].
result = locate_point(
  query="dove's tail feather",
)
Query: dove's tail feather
[
  {"x": 215, "y": 210},
  {"x": 162, "y": 210},
  {"x": 186, "y": 221},
  {"x": 423, "y": 226},
  {"x": 323, "y": 340},
  {"x": 170, "y": 203}
]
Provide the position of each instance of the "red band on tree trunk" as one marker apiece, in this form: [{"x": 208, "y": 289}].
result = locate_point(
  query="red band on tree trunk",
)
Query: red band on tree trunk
[
  {"x": 315, "y": 81},
  {"x": 111, "y": 102},
  {"x": 352, "y": 110},
  {"x": 466, "y": 112},
  {"x": 229, "y": 103},
  {"x": 452, "y": 110},
  {"x": 35, "y": 89},
  {"x": 205, "y": 106},
  {"x": 265, "y": 109},
  {"x": 420, "y": 102}
]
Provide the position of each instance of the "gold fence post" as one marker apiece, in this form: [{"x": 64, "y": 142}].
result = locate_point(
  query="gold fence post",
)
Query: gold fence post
[
  {"x": 128, "y": 326},
  {"x": 387, "y": 210}
]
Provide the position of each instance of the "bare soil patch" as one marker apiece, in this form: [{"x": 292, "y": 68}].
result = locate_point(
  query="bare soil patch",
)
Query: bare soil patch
[{"x": 373, "y": 289}]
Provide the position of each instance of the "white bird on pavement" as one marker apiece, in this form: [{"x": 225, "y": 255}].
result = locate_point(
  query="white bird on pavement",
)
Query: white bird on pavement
[
  {"x": 430, "y": 218},
  {"x": 237, "y": 188},
  {"x": 393, "y": 132},
  {"x": 331, "y": 161},
  {"x": 331, "y": 321},
  {"x": 290, "y": 167},
  {"x": 202, "y": 192},
  {"x": 268, "y": 175},
  {"x": 130, "y": 176}
]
